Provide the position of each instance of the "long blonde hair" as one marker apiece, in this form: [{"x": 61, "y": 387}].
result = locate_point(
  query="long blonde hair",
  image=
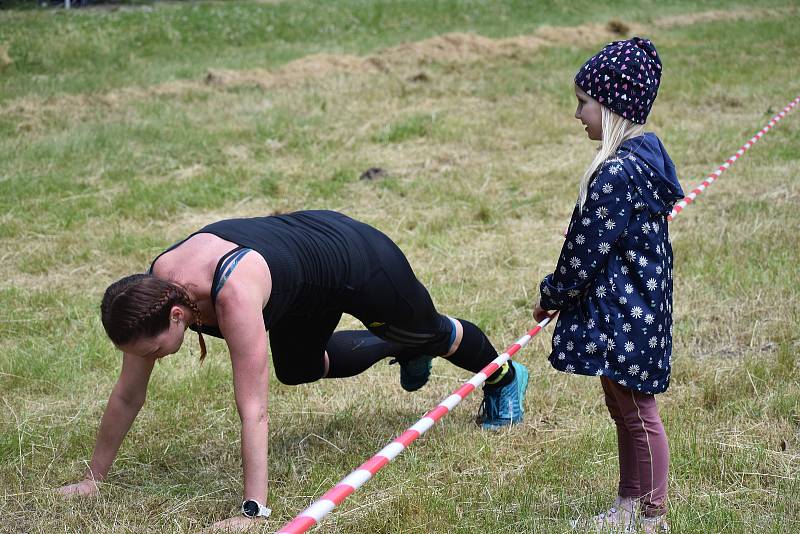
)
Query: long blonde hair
[{"x": 616, "y": 130}]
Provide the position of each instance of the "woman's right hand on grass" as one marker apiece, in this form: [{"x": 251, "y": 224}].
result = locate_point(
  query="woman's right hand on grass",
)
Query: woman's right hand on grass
[{"x": 85, "y": 488}]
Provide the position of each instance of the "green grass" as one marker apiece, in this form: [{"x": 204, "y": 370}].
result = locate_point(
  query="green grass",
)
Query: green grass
[{"x": 102, "y": 169}]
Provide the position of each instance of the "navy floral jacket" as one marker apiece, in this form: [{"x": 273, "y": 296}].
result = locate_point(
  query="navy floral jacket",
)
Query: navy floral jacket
[{"x": 613, "y": 281}]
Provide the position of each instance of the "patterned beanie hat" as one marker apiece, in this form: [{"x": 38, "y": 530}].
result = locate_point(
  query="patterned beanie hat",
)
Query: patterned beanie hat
[{"x": 624, "y": 77}]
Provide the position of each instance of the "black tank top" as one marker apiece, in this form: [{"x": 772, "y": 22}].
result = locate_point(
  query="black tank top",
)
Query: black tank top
[{"x": 313, "y": 257}]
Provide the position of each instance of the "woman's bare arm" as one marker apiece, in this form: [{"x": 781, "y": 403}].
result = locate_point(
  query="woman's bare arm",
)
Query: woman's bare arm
[
  {"x": 124, "y": 403},
  {"x": 239, "y": 310},
  {"x": 241, "y": 322}
]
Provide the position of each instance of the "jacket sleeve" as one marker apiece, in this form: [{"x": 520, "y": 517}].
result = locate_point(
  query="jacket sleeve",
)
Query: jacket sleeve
[{"x": 590, "y": 238}]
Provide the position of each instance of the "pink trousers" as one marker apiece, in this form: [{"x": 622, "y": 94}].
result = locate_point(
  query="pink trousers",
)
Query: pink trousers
[{"x": 643, "y": 448}]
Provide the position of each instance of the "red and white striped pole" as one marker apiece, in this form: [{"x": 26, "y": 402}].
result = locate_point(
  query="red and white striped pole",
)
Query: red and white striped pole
[
  {"x": 334, "y": 497},
  {"x": 349, "y": 484},
  {"x": 722, "y": 168}
]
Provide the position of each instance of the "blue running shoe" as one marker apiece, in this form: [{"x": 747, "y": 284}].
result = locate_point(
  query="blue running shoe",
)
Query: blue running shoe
[
  {"x": 414, "y": 372},
  {"x": 503, "y": 406}
]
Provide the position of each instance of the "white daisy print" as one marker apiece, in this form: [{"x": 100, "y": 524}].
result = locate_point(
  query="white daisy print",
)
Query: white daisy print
[
  {"x": 624, "y": 269},
  {"x": 655, "y": 227},
  {"x": 574, "y": 262},
  {"x": 644, "y": 375},
  {"x": 591, "y": 347},
  {"x": 636, "y": 312},
  {"x": 610, "y": 224},
  {"x": 652, "y": 284},
  {"x": 570, "y": 346},
  {"x": 573, "y": 327},
  {"x": 649, "y": 318},
  {"x": 621, "y": 358},
  {"x": 610, "y": 345},
  {"x": 653, "y": 342},
  {"x": 570, "y": 368},
  {"x": 628, "y": 288},
  {"x": 590, "y": 324},
  {"x": 599, "y": 372},
  {"x": 659, "y": 270},
  {"x": 623, "y": 300},
  {"x": 643, "y": 261},
  {"x": 600, "y": 291},
  {"x": 562, "y": 356},
  {"x": 562, "y": 270},
  {"x": 608, "y": 188},
  {"x": 633, "y": 369},
  {"x": 595, "y": 195},
  {"x": 586, "y": 221},
  {"x": 603, "y": 248},
  {"x": 582, "y": 274},
  {"x": 646, "y": 228},
  {"x": 556, "y": 339},
  {"x": 629, "y": 346},
  {"x": 630, "y": 255},
  {"x": 626, "y": 327},
  {"x": 579, "y": 239},
  {"x": 623, "y": 383},
  {"x": 614, "y": 169},
  {"x": 572, "y": 293},
  {"x": 601, "y": 212},
  {"x": 603, "y": 337}
]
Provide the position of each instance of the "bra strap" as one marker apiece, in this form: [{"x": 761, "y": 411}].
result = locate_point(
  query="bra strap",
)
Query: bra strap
[{"x": 225, "y": 267}]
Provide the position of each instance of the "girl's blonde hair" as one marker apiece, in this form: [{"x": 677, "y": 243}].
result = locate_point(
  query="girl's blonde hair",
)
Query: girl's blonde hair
[{"x": 616, "y": 130}]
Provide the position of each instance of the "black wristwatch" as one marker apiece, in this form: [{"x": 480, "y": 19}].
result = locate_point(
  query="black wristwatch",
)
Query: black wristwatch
[{"x": 253, "y": 509}]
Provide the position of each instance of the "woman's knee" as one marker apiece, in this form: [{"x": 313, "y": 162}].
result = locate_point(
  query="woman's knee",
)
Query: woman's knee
[{"x": 298, "y": 373}]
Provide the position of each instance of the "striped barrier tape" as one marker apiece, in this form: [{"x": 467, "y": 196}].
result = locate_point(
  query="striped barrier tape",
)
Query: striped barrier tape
[
  {"x": 722, "y": 168},
  {"x": 334, "y": 497},
  {"x": 349, "y": 484}
]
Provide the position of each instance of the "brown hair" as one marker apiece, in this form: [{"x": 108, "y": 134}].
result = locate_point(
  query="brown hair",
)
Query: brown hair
[{"x": 139, "y": 305}]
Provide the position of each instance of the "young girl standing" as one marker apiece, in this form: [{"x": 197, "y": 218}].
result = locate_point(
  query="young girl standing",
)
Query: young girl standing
[{"x": 613, "y": 281}]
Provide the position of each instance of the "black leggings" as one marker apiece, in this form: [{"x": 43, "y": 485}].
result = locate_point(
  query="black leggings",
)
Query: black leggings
[{"x": 391, "y": 303}]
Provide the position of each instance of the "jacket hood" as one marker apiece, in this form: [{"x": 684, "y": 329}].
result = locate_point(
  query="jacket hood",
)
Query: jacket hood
[{"x": 657, "y": 184}]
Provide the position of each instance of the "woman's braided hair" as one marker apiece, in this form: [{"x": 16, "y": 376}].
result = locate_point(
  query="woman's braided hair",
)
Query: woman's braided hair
[{"x": 139, "y": 305}]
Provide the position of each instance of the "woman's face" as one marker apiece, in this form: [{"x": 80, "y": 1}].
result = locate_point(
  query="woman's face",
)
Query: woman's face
[
  {"x": 589, "y": 112},
  {"x": 167, "y": 342}
]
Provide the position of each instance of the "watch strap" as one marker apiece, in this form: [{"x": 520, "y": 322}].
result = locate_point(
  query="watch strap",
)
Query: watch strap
[{"x": 263, "y": 511}]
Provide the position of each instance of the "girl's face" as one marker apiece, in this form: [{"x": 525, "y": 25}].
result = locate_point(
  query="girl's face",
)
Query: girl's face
[
  {"x": 167, "y": 342},
  {"x": 589, "y": 112}
]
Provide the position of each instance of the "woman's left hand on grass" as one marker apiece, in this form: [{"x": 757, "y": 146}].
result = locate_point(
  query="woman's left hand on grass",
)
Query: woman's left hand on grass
[{"x": 235, "y": 524}]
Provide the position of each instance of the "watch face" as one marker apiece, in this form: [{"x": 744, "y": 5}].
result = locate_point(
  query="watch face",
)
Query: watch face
[{"x": 250, "y": 508}]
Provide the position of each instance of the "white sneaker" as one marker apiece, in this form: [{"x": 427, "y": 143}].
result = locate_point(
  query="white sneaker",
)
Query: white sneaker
[{"x": 621, "y": 517}]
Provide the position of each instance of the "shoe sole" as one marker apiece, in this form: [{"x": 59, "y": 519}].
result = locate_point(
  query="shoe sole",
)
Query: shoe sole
[
  {"x": 414, "y": 386},
  {"x": 522, "y": 387}
]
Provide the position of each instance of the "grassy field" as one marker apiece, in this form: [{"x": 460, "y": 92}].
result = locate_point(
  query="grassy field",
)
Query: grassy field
[{"x": 125, "y": 127}]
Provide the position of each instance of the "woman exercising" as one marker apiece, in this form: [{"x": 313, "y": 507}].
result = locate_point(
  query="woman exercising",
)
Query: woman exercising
[{"x": 293, "y": 276}]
